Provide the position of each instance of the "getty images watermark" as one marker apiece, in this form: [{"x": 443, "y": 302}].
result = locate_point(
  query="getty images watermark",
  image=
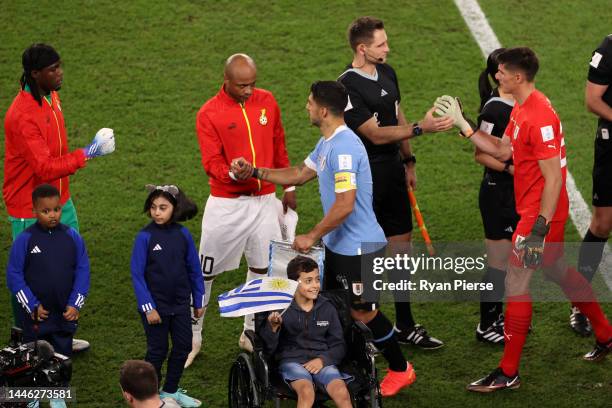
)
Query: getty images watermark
[{"x": 403, "y": 272}]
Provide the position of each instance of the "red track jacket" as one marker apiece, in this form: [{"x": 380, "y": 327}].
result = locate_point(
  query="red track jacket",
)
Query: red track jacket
[
  {"x": 36, "y": 152},
  {"x": 228, "y": 130}
]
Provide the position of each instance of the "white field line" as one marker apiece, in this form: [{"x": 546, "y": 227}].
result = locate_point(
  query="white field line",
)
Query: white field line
[{"x": 579, "y": 210}]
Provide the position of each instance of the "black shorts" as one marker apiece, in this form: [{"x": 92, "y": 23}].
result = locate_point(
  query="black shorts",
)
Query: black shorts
[
  {"x": 602, "y": 167},
  {"x": 391, "y": 203},
  {"x": 340, "y": 268},
  {"x": 497, "y": 209}
]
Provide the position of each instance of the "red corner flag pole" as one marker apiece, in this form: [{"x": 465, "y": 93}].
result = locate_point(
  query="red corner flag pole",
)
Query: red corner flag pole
[{"x": 420, "y": 222}]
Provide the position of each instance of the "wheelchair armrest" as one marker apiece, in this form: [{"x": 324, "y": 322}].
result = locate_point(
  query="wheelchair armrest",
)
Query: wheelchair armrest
[
  {"x": 366, "y": 343},
  {"x": 363, "y": 330},
  {"x": 254, "y": 339}
]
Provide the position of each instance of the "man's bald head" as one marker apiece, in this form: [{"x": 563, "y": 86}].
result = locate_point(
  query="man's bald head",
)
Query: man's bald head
[
  {"x": 239, "y": 77},
  {"x": 237, "y": 64}
]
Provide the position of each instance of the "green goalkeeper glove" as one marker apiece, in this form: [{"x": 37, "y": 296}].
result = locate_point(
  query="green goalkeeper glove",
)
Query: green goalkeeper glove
[{"x": 451, "y": 107}]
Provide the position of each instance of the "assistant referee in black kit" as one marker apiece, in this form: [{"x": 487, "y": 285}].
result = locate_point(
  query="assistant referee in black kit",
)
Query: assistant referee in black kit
[
  {"x": 374, "y": 113},
  {"x": 598, "y": 98}
]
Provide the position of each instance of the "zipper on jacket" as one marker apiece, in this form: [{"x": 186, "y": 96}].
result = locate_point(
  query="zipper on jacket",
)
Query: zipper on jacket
[
  {"x": 246, "y": 119},
  {"x": 59, "y": 136}
]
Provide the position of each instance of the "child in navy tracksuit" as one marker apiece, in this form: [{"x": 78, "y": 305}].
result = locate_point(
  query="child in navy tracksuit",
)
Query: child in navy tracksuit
[
  {"x": 307, "y": 339},
  {"x": 48, "y": 272},
  {"x": 166, "y": 273}
]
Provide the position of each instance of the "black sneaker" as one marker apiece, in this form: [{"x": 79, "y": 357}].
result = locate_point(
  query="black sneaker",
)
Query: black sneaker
[
  {"x": 494, "y": 334},
  {"x": 495, "y": 381},
  {"x": 599, "y": 352},
  {"x": 579, "y": 323},
  {"x": 417, "y": 336}
]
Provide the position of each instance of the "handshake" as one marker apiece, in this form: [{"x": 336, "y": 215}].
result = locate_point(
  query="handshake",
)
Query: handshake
[
  {"x": 451, "y": 107},
  {"x": 102, "y": 144},
  {"x": 241, "y": 169}
]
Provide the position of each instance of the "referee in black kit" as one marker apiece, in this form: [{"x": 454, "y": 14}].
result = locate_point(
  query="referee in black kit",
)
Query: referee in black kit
[
  {"x": 598, "y": 98},
  {"x": 374, "y": 113},
  {"x": 496, "y": 202}
]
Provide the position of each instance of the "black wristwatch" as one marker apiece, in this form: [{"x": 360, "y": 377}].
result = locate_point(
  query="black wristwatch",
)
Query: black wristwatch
[
  {"x": 416, "y": 129},
  {"x": 409, "y": 159}
]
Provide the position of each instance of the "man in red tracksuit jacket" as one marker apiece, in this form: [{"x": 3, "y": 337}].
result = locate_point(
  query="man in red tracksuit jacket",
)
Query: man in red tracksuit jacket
[
  {"x": 36, "y": 146},
  {"x": 240, "y": 216}
]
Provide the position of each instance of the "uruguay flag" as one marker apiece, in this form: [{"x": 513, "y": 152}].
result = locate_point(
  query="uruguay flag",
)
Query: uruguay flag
[{"x": 258, "y": 295}]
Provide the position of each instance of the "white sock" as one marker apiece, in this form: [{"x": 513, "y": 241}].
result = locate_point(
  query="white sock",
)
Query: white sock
[
  {"x": 249, "y": 320},
  {"x": 196, "y": 328}
]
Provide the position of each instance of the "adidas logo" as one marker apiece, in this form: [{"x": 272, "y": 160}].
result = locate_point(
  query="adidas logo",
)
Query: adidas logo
[
  {"x": 36, "y": 250},
  {"x": 157, "y": 247},
  {"x": 509, "y": 229},
  {"x": 595, "y": 196},
  {"x": 383, "y": 92}
]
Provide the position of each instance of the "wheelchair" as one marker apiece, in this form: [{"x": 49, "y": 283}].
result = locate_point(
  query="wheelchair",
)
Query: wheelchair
[{"x": 254, "y": 379}]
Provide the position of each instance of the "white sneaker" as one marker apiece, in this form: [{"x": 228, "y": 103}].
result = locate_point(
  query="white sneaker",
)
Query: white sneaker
[
  {"x": 244, "y": 343},
  {"x": 170, "y": 403},
  {"x": 79, "y": 345},
  {"x": 57, "y": 403}
]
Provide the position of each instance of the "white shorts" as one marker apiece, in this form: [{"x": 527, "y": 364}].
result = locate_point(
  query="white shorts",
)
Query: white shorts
[{"x": 233, "y": 226}]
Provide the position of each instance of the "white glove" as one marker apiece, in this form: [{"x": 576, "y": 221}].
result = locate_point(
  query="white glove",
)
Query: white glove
[
  {"x": 102, "y": 144},
  {"x": 449, "y": 106}
]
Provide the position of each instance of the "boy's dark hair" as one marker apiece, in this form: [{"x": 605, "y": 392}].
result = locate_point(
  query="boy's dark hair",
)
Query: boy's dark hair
[
  {"x": 520, "y": 58},
  {"x": 362, "y": 30},
  {"x": 139, "y": 378},
  {"x": 44, "y": 191},
  {"x": 300, "y": 264},
  {"x": 184, "y": 208},
  {"x": 331, "y": 95},
  {"x": 484, "y": 85},
  {"x": 36, "y": 57}
]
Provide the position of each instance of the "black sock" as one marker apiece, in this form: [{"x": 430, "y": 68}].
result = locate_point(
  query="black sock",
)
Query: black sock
[
  {"x": 491, "y": 305},
  {"x": 403, "y": 316},
  {"x": 403, "y": 311},
  {"x": 384, "y": 340},
  {"x": 590, "y": 255}
]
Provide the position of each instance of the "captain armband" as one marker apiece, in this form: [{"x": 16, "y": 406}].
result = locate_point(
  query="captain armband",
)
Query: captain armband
[{"x": 345, "y": 181}]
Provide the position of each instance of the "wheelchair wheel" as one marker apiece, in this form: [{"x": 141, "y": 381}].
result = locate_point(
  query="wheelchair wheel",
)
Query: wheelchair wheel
[
  {"x": 240, "y": 391},
  {"x": 377, "y": 397}
]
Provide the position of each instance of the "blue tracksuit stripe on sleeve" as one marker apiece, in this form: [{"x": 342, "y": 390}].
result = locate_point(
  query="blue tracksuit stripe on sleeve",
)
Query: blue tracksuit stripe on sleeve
[
  {"x": 15, "y": 273},
  {"x": 82, "y": 272}
]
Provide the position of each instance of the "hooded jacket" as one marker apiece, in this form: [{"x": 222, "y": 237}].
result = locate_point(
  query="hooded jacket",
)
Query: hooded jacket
[{"x": 304, "y": 336}]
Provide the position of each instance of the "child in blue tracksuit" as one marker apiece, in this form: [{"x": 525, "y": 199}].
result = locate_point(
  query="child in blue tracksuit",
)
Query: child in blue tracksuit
[
  {"x": 166, "y": 274},
  {"x": 48, "y": 272}
]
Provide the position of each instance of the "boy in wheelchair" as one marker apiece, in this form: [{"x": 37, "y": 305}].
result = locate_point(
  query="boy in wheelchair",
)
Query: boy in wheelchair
[{"x": 307, "y": 339}]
